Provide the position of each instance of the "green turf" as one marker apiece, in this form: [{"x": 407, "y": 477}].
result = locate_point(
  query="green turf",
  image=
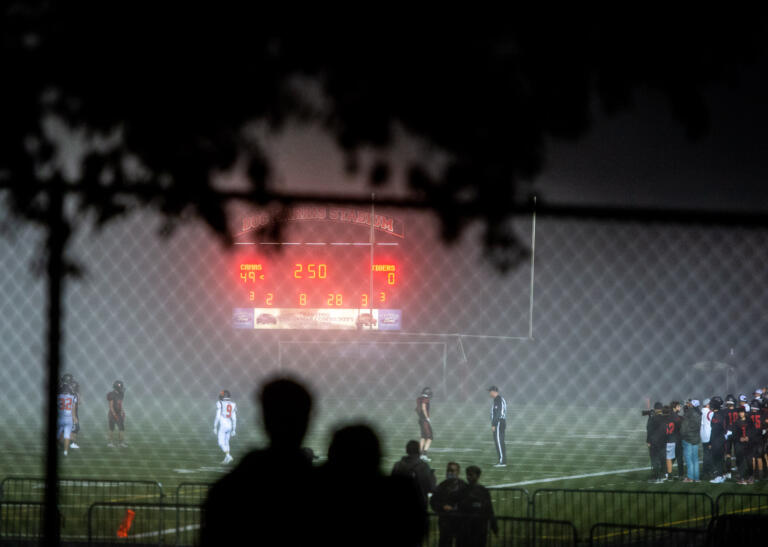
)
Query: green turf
[{"x": 548, "y": 449}]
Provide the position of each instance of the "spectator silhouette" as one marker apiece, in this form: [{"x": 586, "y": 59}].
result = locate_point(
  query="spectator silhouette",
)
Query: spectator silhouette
[
  {"x": 263, "y": 497},
  {"x": 360, "y": 506},
  {"x": 445, "y": 502},
  {"x": 477, "y": 510},
  {"x": 412, "y": 467}
]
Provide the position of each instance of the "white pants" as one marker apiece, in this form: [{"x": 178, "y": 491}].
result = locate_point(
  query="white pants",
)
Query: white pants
[
  {"x": 64, "y": 427},
  {"x": 225, "y": 430}
]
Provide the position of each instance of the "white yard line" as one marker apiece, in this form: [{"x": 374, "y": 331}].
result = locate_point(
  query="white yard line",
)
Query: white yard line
[
  {"x": 165, "y": 532},
  {"x": 584, "y": 476}
]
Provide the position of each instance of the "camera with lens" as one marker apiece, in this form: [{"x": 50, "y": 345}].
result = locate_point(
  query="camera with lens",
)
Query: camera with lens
[{"x": 646, "y": 412}]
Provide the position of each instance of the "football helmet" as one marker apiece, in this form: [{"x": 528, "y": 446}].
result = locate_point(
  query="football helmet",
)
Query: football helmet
[
  {"x": 64, "y": 387},
  {"x": 119, "y": 386},
  {"x": 716, "y": 403},
  {"x": 224, "y": 394},
  {"x": 426, "y": 392},
  {"x": 756, "y": 404},
  {"x": 67, "y": 379}
]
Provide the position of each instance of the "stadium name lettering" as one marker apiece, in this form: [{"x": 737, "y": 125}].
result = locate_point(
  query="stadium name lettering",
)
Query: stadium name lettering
[{"x": 383, "y": 223}]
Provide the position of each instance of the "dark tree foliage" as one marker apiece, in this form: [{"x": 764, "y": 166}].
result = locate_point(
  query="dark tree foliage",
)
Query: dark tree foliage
[{"x": 171, "y": 92}]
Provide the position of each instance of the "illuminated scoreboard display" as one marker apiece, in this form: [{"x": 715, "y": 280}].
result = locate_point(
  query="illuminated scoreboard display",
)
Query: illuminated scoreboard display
[{"x": 330, "y": 284}]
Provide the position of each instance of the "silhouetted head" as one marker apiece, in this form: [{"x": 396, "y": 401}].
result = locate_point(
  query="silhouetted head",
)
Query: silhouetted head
[
  {"x": 412, "y": 448},
  {"x": 285, "y": 408},
  {"x": 452, "y": 470},
  {"x": 473, "y": 474},
  {"x": 355, "y": 450}
]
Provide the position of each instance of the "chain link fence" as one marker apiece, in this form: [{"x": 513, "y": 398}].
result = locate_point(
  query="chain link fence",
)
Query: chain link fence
[{"x": 605, "y": 314}]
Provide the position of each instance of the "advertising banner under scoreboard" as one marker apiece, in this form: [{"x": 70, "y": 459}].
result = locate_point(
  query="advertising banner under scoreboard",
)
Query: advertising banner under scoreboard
[{"x": 316, "y": 318}]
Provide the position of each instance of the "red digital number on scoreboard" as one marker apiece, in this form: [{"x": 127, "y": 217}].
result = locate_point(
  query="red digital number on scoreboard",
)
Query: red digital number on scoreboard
[{"x": 333, "y": 282}]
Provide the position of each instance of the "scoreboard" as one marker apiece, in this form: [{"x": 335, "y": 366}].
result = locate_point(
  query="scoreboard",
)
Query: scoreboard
[{"x": 310, "y": 284}]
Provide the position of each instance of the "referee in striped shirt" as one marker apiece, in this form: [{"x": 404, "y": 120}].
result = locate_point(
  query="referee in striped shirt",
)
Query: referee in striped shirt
[{"x": 498, "y": 424}]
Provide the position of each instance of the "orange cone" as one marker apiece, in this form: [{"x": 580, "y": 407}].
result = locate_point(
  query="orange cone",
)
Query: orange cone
[{"x": 122, "y": 530}]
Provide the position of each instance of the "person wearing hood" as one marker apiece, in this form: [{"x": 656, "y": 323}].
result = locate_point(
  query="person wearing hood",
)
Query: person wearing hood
[{"x": 691, "y": 437}]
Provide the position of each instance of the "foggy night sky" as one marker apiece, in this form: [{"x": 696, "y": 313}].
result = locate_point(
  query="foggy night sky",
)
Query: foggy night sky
[{"x": 639, "y": 157}]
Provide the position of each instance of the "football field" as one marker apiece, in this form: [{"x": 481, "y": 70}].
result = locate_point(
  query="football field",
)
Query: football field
[
  {"x": 568, "y": 447},
  {"x": 547, "y": 448}
]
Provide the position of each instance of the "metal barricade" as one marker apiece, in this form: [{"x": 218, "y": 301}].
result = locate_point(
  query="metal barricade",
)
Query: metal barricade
[
  {"x": 77, "y": 495},
  {"x": 21, "y": 521},
  {"x": 605, "y": 534},
  {"x": 511, "y": 502},
  {"x": 587, "y": 507},
  {"x": 512, "y": 531},
  {"x": 737, "y": 503},
  {"x": 192, "y": 492}
]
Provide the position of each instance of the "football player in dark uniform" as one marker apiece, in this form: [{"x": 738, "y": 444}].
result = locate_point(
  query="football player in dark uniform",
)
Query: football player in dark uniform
[
  {"x": 116, "y": 415},
  {"x": 670, "y": 430},
  {"x": 755, "y": 414},
  {"x": 678, "y": 440},
  {"x": 764, "y": 420},
  {"x": 745, "y": 438},
  {"x": 425, "y": 422},
  {"x": 717, "y": 439},
  {"x": 731, "y": 416}
]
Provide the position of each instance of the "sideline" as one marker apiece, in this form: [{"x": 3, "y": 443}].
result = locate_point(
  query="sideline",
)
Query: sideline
[{"x": 555, "y": 479}]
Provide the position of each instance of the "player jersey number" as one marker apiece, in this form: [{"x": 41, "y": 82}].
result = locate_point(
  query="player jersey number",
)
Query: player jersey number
[
  {"x": 670, "y": 428},
  {"x": 65, "y": 403},
  {"x": 229, "y": 411}
]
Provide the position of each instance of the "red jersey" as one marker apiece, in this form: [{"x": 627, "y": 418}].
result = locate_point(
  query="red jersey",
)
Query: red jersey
[
  {"x": 422, "y": 402},
  {"x": 117, "y": 401}
]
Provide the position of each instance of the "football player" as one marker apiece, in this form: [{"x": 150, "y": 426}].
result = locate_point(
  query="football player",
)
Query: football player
[
  {"x": 425, "y": 423},
  {"x": 731, "y": 416},
  {"x": 225, "y": 423},
  {"x": 116, "y": 416},
  {"x": 66, "y": 404},
  {"x": 75, "y": 416},
  {"x": 745, "y": 440},
  {"x": 68, "y": 379},
  {"x": 755, "y": 414},
  {"x": 719, "y": 424}
]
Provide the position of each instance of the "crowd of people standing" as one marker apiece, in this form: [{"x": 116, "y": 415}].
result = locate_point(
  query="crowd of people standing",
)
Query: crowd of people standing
[{"x": 730, "y": 433}]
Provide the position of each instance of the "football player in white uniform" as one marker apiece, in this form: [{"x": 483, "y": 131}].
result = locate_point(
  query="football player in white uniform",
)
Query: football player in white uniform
[
  {"x": 225, "y": 423},
  {"x": 75, "y": 416},
  {"x": 66, "y": 403}
]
